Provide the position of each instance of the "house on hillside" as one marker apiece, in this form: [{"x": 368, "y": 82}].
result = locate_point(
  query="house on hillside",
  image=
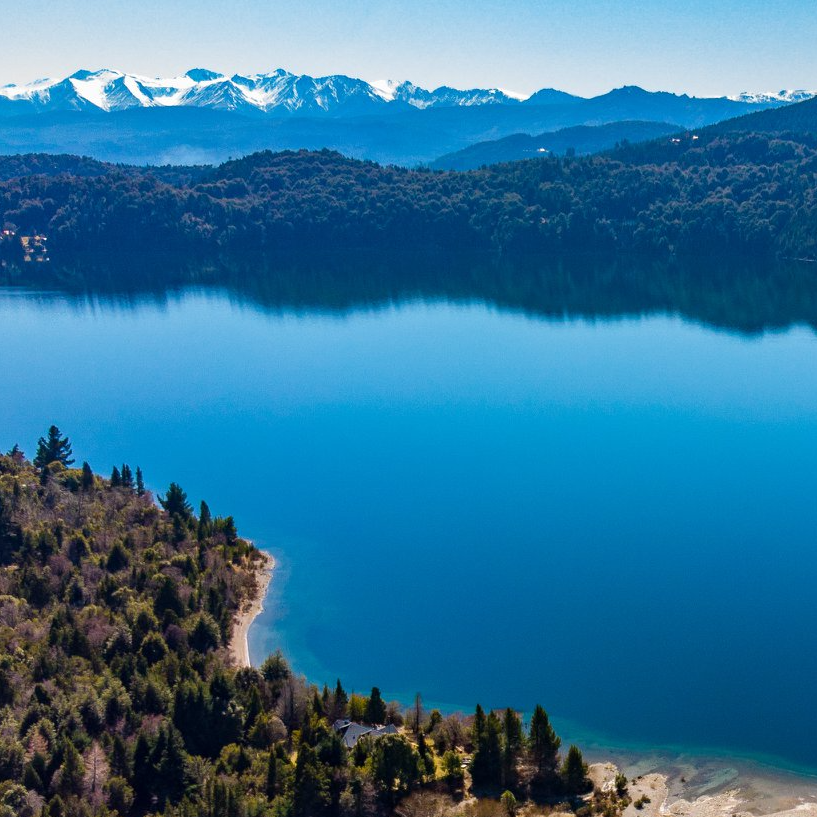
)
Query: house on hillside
[
  {"x": 34, "y": 248},
  {"x": 352, "y": 732}
]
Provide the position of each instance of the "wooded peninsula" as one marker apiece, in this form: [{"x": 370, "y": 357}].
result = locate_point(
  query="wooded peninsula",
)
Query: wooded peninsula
[{"x": 118, "y": 695}]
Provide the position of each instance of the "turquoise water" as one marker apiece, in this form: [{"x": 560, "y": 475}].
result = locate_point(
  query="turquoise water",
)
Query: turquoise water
[{"x": 615, "y": 518}]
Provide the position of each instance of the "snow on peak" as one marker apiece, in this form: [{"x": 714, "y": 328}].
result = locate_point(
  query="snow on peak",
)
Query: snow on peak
[
  {"x": 773, "y": 97},
  {"x": 282, "y": 93},
  {"x": 514, "y": 94},
  {"x": 386, "y": 88}
]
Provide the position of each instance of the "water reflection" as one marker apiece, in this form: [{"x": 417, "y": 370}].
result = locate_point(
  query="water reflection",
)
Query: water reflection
[{"x": 738, "y": 295}]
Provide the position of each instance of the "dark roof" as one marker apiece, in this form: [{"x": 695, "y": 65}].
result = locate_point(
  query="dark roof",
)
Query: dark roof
[{"x": 352, "y": 732}]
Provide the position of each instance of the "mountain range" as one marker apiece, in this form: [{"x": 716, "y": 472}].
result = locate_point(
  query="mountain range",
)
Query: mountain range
[
  {"x": 204, "y": 117},
  {"x": 278, "y": 93},
  {"x": 282, "y": 93}
]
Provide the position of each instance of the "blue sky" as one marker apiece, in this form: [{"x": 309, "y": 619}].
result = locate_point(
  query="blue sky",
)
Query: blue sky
[{"x": 706, "y": 48}]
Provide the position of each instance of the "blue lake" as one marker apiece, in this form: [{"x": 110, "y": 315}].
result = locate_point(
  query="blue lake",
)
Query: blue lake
[{"x": 615, "y": 518}]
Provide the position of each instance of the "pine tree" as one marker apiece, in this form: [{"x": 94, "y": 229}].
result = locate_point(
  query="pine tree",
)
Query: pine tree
[
  {"x": 175, "y": 502},
  {"x": 120, "y": 760},
  {"x": 543, "y": 742},
  {"x": 116, "y": 478},
  {"x": 205, "y": 521},
  {"x": 168, "y": 760},
  {"x": 478, "y": 729},
  {"x": 341, "y": 702},
  {"x": 310, "y": 791},
  {"x": 253, "y": 709},
  {"x": 72, "y": 770},
  {"x": 574, "y": 771},
  {"x": 417, "y": 714},
  {"x": 317, "y": 704},
  {"x": 271, "y": 784},
  {"x": 53, "y": 448},
  {"x": 511, "y": 746},
  {"x": 375, "y": 708},
  {"x": 87, "y": 477},
  {"x": 127, "y": 477},
  {"x": 140, "y": 482},
  {"x": 486, "y": 765},
  {"x": 168, "y": 598}
]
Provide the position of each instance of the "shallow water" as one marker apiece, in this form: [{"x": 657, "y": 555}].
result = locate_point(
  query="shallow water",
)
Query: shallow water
[{"x": 615, "y": 518}]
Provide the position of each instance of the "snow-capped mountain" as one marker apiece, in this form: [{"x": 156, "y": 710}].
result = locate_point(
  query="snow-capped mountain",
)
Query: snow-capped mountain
[
  {"x": 444, "y": 96},
  {"x": 282, "y": 93},
  {"x": 279, "y": 92},
  {"x": 774, "y": 97}
]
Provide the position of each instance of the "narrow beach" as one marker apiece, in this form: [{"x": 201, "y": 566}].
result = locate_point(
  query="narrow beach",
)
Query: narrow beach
[
  {"x": 239, "y": 644},
  {"x": 667, "y": 785},
  {"x": 696, "y": 787}
]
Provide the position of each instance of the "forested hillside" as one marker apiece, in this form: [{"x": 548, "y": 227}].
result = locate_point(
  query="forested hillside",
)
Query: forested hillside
[
  {"x": 800, "y": 118},
  {"x": 117, "y": 696},
  {"x": 729, "y": 195},
  {"x": 580, "y": 140}
]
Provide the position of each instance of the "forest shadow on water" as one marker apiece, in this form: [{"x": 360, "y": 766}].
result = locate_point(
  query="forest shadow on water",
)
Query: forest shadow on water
[{"x": 740, "y": 295}]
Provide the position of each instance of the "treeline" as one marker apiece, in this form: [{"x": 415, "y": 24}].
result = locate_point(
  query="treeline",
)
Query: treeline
[
  {"x": 719, "y": 194},
  {"x": 117, "y": 695}
]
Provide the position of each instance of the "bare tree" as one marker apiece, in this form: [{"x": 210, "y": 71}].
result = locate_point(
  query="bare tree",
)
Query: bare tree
[{"x": 96, "y": 773}]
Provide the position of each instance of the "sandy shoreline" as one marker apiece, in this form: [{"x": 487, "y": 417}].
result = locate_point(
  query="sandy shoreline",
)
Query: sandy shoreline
[
  {"x": 675, "y": 785},
  {"x": 239, "y": 644},
  {"x": 699, "y": 787}
]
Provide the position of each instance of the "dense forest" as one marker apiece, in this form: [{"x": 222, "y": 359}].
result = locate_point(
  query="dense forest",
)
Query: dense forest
[
  {"x": 708, "y": 194},
  {"x": 117, "y": 695}
]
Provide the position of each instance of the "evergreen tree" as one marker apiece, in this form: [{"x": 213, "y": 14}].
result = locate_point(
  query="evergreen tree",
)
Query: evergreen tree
[
  {"x": 486, "y": 764},
  {"x": 53, "y": 448},
  {"x": 205, "y": 521},
  {"x": 118, "y": 558},
  {"x": 543, "y": 743},
  {"x": 417, "y": 714},
  {"x": 127, "y": 477},
  {"x": 317, "y": 704},
  {"x": 512, "y": 740},
  {"x": 87, "y": 477},
  {"x": 478, "y": 729},
  {"x": 427, "y": 766},
  {"x": 31, "y": 778},
  {"x": 375, "y": 708},
  {"x": 169, "y": 761},
  {"x": 140, "y": 482},
  {"x": 271, "y": 783},
  {"x": 310, "y": 790},
  {"x": 253, "y": 709},
  {"x": 574, "y": 771},
  {"x": 120, "y": 760},
  {"x": 72, "y": 770},
  {"x": 116, "y": 478},
  {"x": 395, "y": 765},
  {"x": 168, "y": 598},
  {"x": 175, "y": 502},
  {"x": 340, "y": 703}
]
